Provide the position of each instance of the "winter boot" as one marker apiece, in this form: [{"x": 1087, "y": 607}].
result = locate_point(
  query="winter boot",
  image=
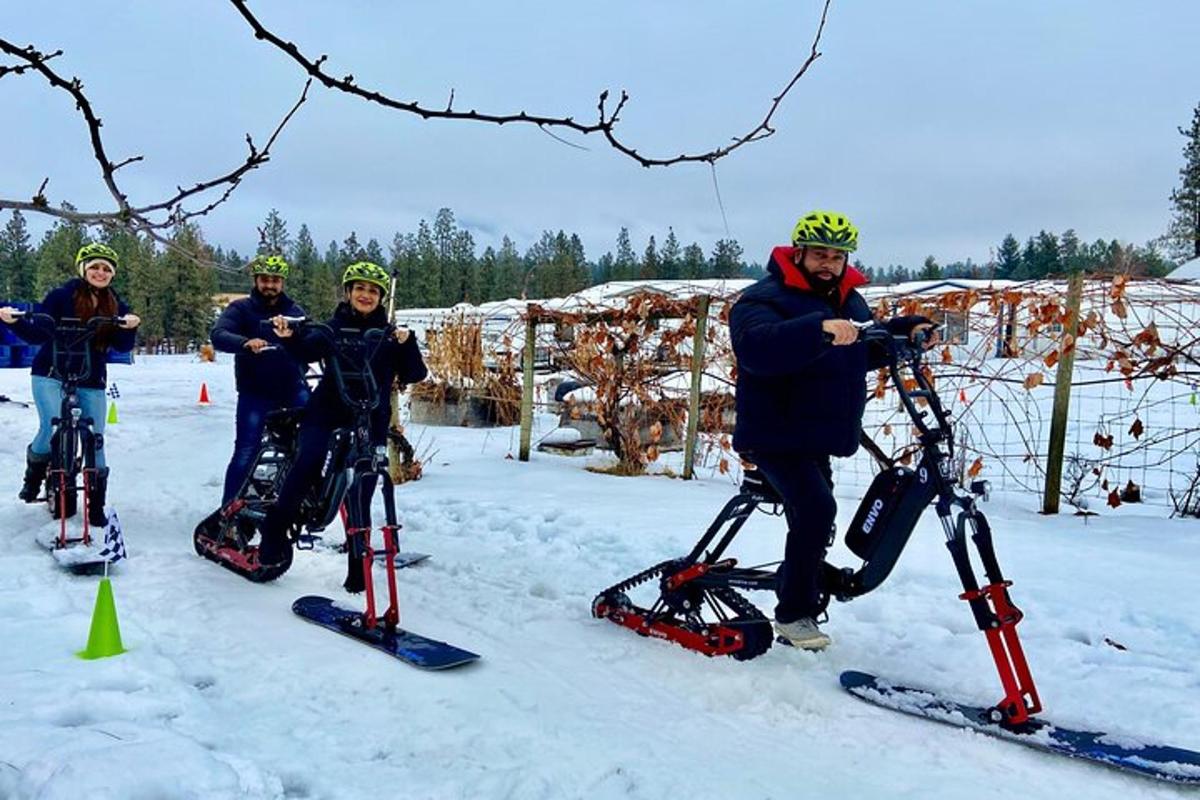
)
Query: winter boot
[
  {"x": 274, "y": 546},
  {"x": 97, "y": 496},
  {"x": 354, "y": 582},
  {"x": 802, "y": 633},
  {"x": 35, "y": 475}
]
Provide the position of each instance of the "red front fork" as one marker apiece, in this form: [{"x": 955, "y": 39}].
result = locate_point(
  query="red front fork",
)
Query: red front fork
[
  {"x": 391, "y": 617},
  {"x": 1020, "y": 695},
  {"x": 61, "y": 484}
]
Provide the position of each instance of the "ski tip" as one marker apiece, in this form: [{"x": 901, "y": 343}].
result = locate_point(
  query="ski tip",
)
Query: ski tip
[{"x": 852, "y": 679}]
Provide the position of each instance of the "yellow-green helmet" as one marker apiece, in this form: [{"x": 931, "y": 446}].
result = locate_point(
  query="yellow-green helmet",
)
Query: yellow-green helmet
[
  {"x": 825, "y": 229},
  {"x": 269, "y": 265},
  {"x": 93, "y": 251},
  {"x": 369, "y": 272}
]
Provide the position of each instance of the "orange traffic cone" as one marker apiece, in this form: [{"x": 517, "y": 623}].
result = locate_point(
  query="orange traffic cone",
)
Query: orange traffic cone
[{"x": 203, "y": 394}]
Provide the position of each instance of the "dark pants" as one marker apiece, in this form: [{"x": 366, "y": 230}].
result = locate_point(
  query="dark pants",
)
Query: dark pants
[
  {"x": 252, "y": 413},
  {"x": 806, "y": 485},
  {"x": 305, "y": 472}
]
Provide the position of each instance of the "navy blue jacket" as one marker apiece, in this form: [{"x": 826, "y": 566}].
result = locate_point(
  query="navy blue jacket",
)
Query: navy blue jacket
[
  {"x": 796, "y": 393},
  {"x": 391, "y": 361},
  {"x": 60, "y": 303},
  {"x": 273, "y": 374}
]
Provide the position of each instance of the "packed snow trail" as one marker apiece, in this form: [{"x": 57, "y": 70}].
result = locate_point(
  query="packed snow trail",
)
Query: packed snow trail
[{"x": 224, "y": 693}]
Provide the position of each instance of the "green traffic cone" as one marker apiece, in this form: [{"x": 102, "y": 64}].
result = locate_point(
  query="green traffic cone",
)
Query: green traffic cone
[
  {"x": 112, "y": 413},
  {"x": 104, "y": 640}
]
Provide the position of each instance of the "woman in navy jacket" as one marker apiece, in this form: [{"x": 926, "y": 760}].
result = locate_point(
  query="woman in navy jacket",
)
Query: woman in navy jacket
[
  {"x": 82, "y": 298},
  {"x": 397, "y": 359}
]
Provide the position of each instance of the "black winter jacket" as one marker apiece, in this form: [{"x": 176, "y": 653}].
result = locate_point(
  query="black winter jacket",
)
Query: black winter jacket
[
  {"x": 60, "y": 303},
  {"x": 796, "y": 393},
  {"x": 391, "y": 361},
  {"x": 273, "y": 374}
]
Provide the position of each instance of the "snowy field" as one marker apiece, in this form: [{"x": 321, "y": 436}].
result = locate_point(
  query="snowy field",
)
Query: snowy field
[{"x": 224, "y": 693}]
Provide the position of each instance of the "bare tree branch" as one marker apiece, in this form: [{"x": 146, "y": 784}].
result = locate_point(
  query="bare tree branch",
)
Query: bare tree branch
[
  {"x": 605, "y": 125},
  {"x": 144, "y": 218}
]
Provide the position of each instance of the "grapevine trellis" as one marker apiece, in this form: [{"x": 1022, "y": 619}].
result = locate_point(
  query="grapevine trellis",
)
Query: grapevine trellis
[{"x": 651, "y": 372}]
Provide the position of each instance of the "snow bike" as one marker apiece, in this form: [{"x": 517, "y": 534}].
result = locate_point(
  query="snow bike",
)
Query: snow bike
[
  {"x": 73, "y": 443},
  {"x": 705, "y": 582},
  {"x": 225, "y": 535}
]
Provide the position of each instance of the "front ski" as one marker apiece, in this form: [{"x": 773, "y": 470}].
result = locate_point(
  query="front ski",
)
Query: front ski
[
  {"x": 1162, "y": 762},
  {"x": 408, "y": 558},
  {"x": 79, "y": 559},
  {"x": 411, "y": 648}
]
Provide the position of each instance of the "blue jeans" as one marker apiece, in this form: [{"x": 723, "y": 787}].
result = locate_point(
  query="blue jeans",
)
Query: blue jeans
[
  {"x": 48, "y": 395},
  {"x": 252, "y": 413}
]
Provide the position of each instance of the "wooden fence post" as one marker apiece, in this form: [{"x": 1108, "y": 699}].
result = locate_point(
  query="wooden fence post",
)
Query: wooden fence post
[
  {"x": 1062, "y": 397},
  {"x": 693, "y": 419},
  {"x": 527, "y": 381}
]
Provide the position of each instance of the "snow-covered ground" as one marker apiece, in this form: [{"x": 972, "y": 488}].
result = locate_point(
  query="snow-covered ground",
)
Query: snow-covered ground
[{"x": 224, "y": 693}]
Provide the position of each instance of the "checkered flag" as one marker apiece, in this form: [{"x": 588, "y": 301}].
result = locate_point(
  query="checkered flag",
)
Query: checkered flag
[{"x": 114, "y": 542}]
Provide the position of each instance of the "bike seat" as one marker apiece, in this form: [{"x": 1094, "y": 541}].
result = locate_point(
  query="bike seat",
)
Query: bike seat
[
  {"x": 284, "y": 418},
  {"x": 755, "y": 483}
]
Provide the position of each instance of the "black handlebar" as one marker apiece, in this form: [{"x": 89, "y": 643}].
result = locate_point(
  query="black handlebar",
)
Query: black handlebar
[{"x": 350, "y": 360}]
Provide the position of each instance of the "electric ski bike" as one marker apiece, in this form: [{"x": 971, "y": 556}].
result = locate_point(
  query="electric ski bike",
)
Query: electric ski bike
[
  {"x": 73, "y": 442},
  {"x": 225, "y": 535},
  {"x": 349, "y": 474},
  {"x": 705, "y": 583}
]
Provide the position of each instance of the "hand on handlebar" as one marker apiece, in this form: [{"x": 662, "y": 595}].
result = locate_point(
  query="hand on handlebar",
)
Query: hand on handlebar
[
  {"x": 842, "y": 331},
  {"x": 257, "y": 345},
  {"x": 9, "y": 315},
  {"x": 130, "y": 321},
  {"x": 924, "y": 335},
  {"x": 401, "y": 334},
  {"x": 282, "y": 325}
]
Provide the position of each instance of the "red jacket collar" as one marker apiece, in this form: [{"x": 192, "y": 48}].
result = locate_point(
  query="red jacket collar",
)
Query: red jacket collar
[{"x": 783, "y": 258}]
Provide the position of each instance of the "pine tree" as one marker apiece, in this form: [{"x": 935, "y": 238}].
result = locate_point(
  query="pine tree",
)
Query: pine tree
[
  {"x": 147, "y": 291},
  {"x": 727, "y": 259},
  {"x": 463, "y": 270},
  {"x": 581, "y": 273},
  {"x": 427, "y": 280},
  {"x": 374, "y": 252},
  {"x": 508, "y": 270},
  {"x": 1008, "y": 258},
  {"x": 305, "y": 275},
  {"x": 488, "y": 276},
  {"x": 192, "y": 314},
  {"x": 335, "y": 265},
  {"x": 351, "y": 251},
  {"x": 650, "y": 263},
  {"x": 1183, "y": 236},
  {"x": 625, "y": 266},
  {"x": 930, "y": 271},
  {"x": 55, "y": 262},
  {"x": 604, "y": 269},
  {"x": 403, "y": 264},
  {"x": 670, "y": 256},
  {"x": 273, "y": 238},
  {"x": 17, "y": 261},
  {"x": 694, "y": 266},
  {"x": 1069, "y": 251}
]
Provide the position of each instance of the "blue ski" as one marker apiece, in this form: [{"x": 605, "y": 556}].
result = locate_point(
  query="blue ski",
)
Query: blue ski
[
  {"x": 1151, "y": 760},
  {"x": 411, "y": 648}
]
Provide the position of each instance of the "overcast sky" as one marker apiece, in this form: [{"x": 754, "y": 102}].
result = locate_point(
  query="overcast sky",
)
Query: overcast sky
[{"x": 938, "y": 126}]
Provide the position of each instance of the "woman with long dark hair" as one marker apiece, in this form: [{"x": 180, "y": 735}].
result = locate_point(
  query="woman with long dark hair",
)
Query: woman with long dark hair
[{"x": 89, "y": 295}]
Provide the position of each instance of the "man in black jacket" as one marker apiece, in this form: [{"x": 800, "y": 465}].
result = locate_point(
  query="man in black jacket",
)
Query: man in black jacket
[
  {"x": 268, "y": 376},
  {"x": 801, "y": 393}
]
